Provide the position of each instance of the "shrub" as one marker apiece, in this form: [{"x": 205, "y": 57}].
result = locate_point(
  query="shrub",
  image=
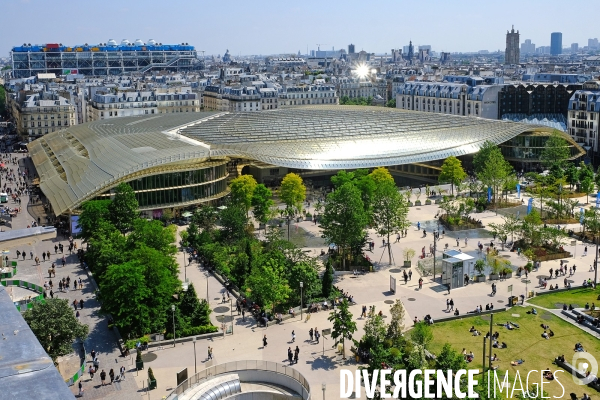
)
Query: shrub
[
  {"x": 151, "y": 374},
  {"x": 130, "y": 344},
  {"x": 194, "y": 331},
  {"x": 479, "y": 266},
  {"x": 138, "y": 357}
]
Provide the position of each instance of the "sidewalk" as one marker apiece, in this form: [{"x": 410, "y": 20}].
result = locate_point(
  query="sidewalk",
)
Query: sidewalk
[{"x": 100, "y": 338}]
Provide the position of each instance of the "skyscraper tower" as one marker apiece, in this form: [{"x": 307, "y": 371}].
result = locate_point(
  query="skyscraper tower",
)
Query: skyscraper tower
[
  {"x": 411, "y": 52},
  {"x": 512, "y": 53},
  {"x": 556, "y": 43},
  {"x": 350, "y": 48}
]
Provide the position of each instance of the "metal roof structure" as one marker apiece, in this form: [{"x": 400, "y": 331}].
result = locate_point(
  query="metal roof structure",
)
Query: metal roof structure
[
  {"x": 26, "y": 371},
  {"x": 83, "y": 161}
]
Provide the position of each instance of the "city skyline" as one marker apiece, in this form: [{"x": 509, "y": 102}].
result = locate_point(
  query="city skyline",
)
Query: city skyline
[{"x": 272, "y": 28}]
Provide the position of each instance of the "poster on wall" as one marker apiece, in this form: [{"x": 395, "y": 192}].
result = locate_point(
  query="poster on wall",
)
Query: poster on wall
[{"x": 75, "y": 228}]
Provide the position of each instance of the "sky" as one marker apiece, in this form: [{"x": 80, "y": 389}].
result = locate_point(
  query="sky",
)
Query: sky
[{"x": 266, "y": 27}]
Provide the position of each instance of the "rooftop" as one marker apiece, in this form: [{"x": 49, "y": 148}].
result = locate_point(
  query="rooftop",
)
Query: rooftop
[{"x": 83, "y": 161}]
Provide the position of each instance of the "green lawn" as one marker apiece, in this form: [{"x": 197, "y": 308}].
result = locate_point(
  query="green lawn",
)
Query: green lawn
[
  {"x": 525, "y": 343},
  {"x": 578, "y": 296}
]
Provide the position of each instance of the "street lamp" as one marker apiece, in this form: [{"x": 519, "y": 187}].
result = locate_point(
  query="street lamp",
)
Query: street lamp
[
  {"x": 173, "y": 309},
  {"x": 231, "y": 313},
  {"x": 301, "y": 286},
  {"x": 194, "y": 341},
  {"x": 323, "y": 387}
]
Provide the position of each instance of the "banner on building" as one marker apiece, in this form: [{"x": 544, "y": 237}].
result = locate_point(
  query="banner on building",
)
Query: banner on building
[{"x": 529, "y": 205}]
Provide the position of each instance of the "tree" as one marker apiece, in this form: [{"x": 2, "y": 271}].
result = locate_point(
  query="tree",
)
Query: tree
[
  {"x": 495, "y": 172},
  {"x": 234, "y": 222},
  {"x": 480, "y": 159},
  {"x": 306, "y": 273},
  {"x": 123, "y": 208},
  {"x": 92, "y": 212},
  {"x": 205, "y": 217},
  {"x": 364, "y": 181},
  {"x": 396, "y": 325},
  {"x": 327, "y": 280},
  {"x": 267, "y": 285},
  {"x": 262, "y": 203},
  {"x": 587, "y": 187},
  {"x": 381, "y": 175},
  {"x": 344, "y": 220},
  {"x": 452, "y": 171},
  {"x": 242, "y": 190},
  {"x": 450, "y": 359},
  {"x": 343, "y": 325},
  {"x": 54, "y": 325},
  {"x": 390, "y": 209},
  {"x": 391, "y": 103},
  {"x": 572, "y": 175},
  {"x": 375, "y": 331},
  {"x": 292, "y": 191},
  {"x": 556, "y": 151},
  {"x": 195, "y": 311},
  {"x": 421, "y": 334}
]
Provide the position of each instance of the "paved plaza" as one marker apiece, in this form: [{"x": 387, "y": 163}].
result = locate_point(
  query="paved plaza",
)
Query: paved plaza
[{"x": 318, "y": 362}]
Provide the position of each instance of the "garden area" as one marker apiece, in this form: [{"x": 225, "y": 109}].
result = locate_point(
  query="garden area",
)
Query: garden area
[
  {"x": 577, "y": 297},
  {"x": 524, "y": 343}
]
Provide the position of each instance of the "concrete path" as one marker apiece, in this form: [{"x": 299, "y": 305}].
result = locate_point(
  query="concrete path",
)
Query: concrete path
[{"x": 100, "y": 338}]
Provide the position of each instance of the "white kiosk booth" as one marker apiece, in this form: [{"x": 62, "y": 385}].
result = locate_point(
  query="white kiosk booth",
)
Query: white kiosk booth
[{"x": 455, "y": 265}]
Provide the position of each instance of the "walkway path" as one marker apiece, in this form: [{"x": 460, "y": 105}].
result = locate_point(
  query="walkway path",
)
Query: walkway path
[{"x": 100, "y": 338}]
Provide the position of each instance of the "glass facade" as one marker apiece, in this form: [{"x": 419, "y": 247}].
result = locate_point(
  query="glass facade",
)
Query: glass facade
[
  {"x": 177, "y": 179},
  {"x": 529, "y": 147},
  {"x": 171, "y": 189}
]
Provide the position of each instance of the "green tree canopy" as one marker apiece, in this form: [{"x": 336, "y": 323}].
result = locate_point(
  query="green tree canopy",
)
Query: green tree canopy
[
  {"x": 480, "y": 159},
  {"x": 292, "y": 191},
  {"x": 242, "y": 190},
  {"x": 343, "y": 325},
  {"x": 556, "y": 151},
  {"x": 421, "y": 334},
  {"x": 495, "y": 172},
  {"x": 390, "y": 210},
  {"x": 123, "y": 208},
  {"x": 262, "y": 202},
  {"x": 452, "y": 172},
  {"x": 363, "y": 180},
  {"x": 344, "y": 219},
  {"x": 267, "y": 284},
  {"x": 205, "y": 217},
  {"x": 92, "y": 212},
  {"x": 55, "y": 326},
  {"x": 234, "y": 222}
]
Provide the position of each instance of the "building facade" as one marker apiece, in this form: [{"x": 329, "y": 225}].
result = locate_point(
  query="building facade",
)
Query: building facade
[
  {"x": 227, "y": 98},
  {"x": 40, "y": 113},
  {"x": 535, "y": 98},
  {"x": 103, "y": 59},
  {"x": 584, "y": 117},
  {"x": 308, "y": 95},
  {"x": 556, "y": 43},
  {"x": 527, "y": 47},
  {"x": 512, "y": 55}
]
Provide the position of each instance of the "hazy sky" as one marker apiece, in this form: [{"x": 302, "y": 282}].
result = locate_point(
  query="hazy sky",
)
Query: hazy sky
[{"x": 282, "y": 26}]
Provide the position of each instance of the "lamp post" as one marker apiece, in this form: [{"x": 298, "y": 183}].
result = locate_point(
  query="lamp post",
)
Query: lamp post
[
  {"x": 323, "y": 387},
  {"x": 231, "y": 313},
  {"x": 184, "y": 267},
  {"x": 173, "y": 309},
  {"x": 301, "y": 306},
  {"x": 194, "y": 341}
]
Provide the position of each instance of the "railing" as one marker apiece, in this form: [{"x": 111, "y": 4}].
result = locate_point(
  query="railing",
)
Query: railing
[
  {"x": 12, "y": 271},
  {"x": 303, "y": 388},
  {"x": 80, "y": 372},
  {"x": 26, "y": 304}
]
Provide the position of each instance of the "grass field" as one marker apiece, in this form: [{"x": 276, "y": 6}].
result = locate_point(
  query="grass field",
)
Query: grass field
[
  {"x": 525, "y": 343},
  {"x": 578, "y": 296}
]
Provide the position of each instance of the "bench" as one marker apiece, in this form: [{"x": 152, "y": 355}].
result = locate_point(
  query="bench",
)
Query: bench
[
  {"x": 572, "y": 370},
  {"x": 587, "y": 323}
]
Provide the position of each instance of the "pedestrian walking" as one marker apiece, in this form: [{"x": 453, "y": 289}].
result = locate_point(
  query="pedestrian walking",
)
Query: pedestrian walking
[
  {"x": 420, "y": 283},
  {"x": 103, "y": 377},
  {"x": 51, "y": 294},
  {"x": 64, "y": 261},
  {"x": 317, "y": 335},
  {"x": 75, "y": 304},
  {"x": 77, "y": 314},
  {"x": 310, "y": 332},
  {"x": 80, "y": 389},
  {"x": 93, "y": 354},
  {"x": 418, "y": 226},
  {"x": 447, "y": 304},
  {"x": 448, "y": 288},
  {"x": 48, "y": 255},
  {"x": 243, "y": 315},
  {"x": 210, "y": 353},
  {"x": 405, "y": 277},
  {"x": 585, "y": 251},
  {"x": 122, "y": 373},
  {"x": 364, "y": 315},
  {"x": 265, "y": 341},
  {"x": 290, "y": 355},
  {"x": 91, "y": 372},
  {"x": 457, "y": 241},
  {"x": 80, "y": 284},
  {"x": 293, "y": 336},
  {"x": 409, "y": 274},
  {"x": 31, "y": 255},
  {"x": 451, "y": 304},
  {"x": 55, "y": 249},
  {"x": 81, "y": 304},
  {"x": 111, "y": 374},
  {"x": 43, "y": 256}
]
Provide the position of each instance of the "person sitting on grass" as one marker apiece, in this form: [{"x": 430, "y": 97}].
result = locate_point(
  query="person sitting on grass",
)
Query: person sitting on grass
[
  {"x": 470, "y": 357},
  {"x": 545, "y": 335},
  {"x": 548, "y": 374},
  {"x": 456, "y": 312},
  {"x": 579, "y": 347},
  {"x": 517, "y": 362},
  {"x": 472, "y": 329},
  {"x": 571, "y": 307},
  {"x": 561, "y": 358},
  {"x": 544, "y": 326},
  {"x": 476, "y": 333},
  {"x": 550, "y": 333},
  {"x": 494, "y": 358}
]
